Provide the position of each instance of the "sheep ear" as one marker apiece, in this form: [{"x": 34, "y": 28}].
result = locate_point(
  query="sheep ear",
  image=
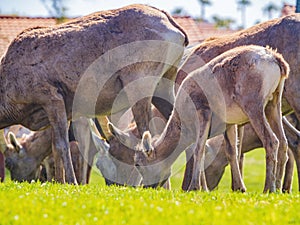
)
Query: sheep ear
[
  {"x": 13, "y": 141},
  {"x": 146, "y": 143}
]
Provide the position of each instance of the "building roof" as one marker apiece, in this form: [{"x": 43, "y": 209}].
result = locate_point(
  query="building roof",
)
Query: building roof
[
  {"x": 11, "y": 26},
  {"x": 198, "y": 31},
  {"x": 190, "y": 26},
  {"x": 209, "y": 30}
]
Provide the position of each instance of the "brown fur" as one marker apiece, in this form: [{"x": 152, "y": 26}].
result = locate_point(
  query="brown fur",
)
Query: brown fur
[
  {"x": 264, "y": 34},
  {"x": 279, "y": 34},
  {"x": 123, "y": 156},
  {"x": 42, "y": 67},
  {"x": 215, "y": 167},
  {"x": 257, "y": 35},
  {"x": 25, "y": 156},
  {"x": 243, "y": 74}
]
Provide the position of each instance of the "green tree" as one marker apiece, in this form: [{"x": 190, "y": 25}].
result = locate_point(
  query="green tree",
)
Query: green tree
[
  {"x": 242, "y": 5},
  {"x": 179, "y": 11},
  {"x": 56, "y": 9},
  {"x": 223, "y": 22},
  {"x": 203, "y": 4},
  {"x": 270, "y": 8}
]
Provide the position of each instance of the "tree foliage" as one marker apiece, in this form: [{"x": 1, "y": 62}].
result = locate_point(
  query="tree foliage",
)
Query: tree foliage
[
  {"x": 270, "y": 8},
  {"x": 242, "y": 5},
  {"x": 223, "y": 22},
  {"x": 179, "y": 11},
  {"x": 55, "y": 9},
  {"x": 203, "y": 4}
]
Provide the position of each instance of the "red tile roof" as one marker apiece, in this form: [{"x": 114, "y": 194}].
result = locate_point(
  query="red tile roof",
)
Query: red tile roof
[
  {"x": 10, "y": 26},
  {"x": 209, "y": 30},
  {"x": 190, "y": 26},
  {"x": 198, "y": 31}
]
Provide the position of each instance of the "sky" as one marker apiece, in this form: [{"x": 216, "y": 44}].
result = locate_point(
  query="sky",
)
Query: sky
[{"x": 222, "y": 8}]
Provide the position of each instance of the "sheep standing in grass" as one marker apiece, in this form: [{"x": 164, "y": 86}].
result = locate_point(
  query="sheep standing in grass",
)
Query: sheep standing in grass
[{"x": 236, "y": 87}]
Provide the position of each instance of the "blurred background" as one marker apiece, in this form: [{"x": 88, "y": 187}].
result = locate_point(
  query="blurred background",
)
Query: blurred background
[
  {"x": 199, "y": 18},
  {"x": 224, "y": 13}
]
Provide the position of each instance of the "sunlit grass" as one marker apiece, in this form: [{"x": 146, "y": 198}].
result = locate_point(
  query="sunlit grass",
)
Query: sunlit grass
[{"x": 36, "y": 203}]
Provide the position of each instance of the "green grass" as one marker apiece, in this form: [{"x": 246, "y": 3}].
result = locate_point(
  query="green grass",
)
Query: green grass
[{"x": 37, "y": 203}]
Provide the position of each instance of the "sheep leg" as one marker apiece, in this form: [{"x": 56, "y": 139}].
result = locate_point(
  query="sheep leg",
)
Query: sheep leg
[
  {"x": 189, "y": 155},
  {"x": 270, "y": 142},
  {"x": 293, "y": 96},
  {"x": 288, "y": 175},
  {"x": 203, "y": 132},
  {"x": 231, "y": 151},
  {"x": 296, "y": 154},
  {"x": 240, "y": 145},
  {"x": 273, "y": 112},
  {"x": 58, "y": 167},
  {"x": 55, "y": 109},
  {"x": 82, "y": 131},
  {"x": 2, "y": 167}
]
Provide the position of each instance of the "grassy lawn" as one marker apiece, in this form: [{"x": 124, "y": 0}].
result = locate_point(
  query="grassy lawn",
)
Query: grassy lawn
[{"x": 37, "y": 203}]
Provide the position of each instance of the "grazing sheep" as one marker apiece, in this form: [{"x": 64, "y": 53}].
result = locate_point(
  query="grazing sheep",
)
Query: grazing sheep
[
  {"x": 47, "y": 69},
  {"x": 262, "y": 34},
  {"x": 233, "y": 88},
  {"x": 281, "y": 34}
]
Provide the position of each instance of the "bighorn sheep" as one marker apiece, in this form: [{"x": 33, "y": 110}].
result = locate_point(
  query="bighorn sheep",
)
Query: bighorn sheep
[
  {"x": 233, "y": 88},
  {"x": 24, "y": 156},
  {"x": 51, "y": 74},
  {"x": 263, "y": 34},
  {"x": 125, "y": 172},
  {"x": 216, "y": 160}
]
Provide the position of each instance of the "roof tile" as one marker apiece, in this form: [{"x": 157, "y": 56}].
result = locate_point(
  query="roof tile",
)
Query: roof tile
[{"x": 11, "y": 26}]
